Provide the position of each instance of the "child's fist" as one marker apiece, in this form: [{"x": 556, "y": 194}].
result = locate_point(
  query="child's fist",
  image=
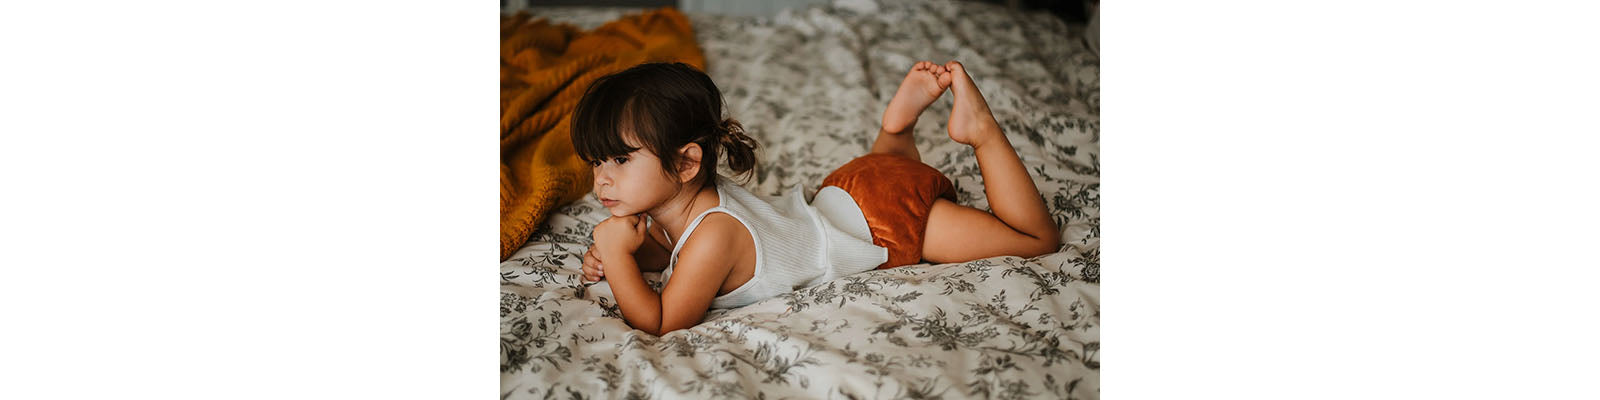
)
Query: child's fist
[
  {"x": 619, "y": 235},
  {"x": 593, "y": 271}
]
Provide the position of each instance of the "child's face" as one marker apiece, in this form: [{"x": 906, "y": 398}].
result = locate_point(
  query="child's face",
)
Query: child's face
[{"x": 632, "y": 183}]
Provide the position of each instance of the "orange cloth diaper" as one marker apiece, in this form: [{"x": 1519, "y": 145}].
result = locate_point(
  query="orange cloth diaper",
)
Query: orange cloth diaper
[{"x": 895, "y": 194}]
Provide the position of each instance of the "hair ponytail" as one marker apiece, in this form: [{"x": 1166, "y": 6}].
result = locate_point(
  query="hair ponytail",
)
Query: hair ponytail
[{"x": 740, "y": 148}]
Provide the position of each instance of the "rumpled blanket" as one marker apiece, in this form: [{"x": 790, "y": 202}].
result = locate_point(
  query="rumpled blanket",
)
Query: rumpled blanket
[{"x": 544, "y": 70}]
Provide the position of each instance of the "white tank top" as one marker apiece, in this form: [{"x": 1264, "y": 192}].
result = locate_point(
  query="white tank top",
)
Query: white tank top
[{"x": 797, "y": 244}]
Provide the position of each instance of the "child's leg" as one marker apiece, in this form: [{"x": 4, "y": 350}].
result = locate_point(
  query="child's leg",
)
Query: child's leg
[
  {"x": 923, "y": 85},
  {"x": 1020, "y": 225}
]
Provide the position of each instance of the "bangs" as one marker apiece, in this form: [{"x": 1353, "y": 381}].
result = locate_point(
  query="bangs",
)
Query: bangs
[
  {"x": 635, "y": 109},
  {"x": 600, "y": 119}
]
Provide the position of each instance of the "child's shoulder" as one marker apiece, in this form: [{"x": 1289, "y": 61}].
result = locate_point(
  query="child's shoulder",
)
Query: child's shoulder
[{"x": 717, "y": 236}]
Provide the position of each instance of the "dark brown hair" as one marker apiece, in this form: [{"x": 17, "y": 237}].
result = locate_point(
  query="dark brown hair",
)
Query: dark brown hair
[{"x": 665, "y": 106}]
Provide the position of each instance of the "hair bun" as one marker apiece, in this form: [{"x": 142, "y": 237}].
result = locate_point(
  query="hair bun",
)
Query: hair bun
[
  {"x": 730, "y": 131},
  {"x": 740, "y": 147}
]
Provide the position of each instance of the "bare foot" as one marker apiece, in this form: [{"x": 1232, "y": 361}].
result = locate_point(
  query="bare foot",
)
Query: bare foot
[
  {"x": 924, "y": 84},
  {"x": 971, "y": 122}
]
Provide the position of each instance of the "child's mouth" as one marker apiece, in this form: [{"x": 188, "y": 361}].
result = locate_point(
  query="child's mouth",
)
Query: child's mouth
[{"x": 608, "y": 202}]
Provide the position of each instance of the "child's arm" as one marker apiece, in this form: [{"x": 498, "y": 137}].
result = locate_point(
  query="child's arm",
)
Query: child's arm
[
  {"x": 654, "y": 253},
  {"x": 651, "y": 257},
  {"x": 702, "y": 267}
]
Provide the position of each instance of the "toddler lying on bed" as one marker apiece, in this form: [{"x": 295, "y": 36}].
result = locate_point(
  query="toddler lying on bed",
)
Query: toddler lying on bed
[{"x": 654, "y": 134}]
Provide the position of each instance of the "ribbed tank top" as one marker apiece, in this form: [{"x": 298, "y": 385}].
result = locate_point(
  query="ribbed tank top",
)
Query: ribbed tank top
[{"x": 797, "y": 244}]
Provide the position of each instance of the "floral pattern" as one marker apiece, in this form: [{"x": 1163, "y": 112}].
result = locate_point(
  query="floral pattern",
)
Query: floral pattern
[{"x": 810, "y": 85}]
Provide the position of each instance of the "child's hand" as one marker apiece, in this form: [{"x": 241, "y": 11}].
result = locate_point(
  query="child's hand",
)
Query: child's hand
[
  {"x": 593, "y": 271},
  {"x": 619, "y": 235}
]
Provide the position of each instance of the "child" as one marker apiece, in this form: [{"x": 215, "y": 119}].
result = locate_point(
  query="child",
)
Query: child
[{"x": 654, "y": 133}]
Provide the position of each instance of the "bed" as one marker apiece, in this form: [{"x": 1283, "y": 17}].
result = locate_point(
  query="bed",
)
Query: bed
[{"x": 810, "y": 85}]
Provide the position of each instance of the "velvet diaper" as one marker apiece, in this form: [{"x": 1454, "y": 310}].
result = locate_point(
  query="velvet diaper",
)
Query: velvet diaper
[{"x": 895, "y": 194}]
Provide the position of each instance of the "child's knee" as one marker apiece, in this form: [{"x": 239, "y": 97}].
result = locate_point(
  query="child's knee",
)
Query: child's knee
[{"x": 1046, "y": 244}]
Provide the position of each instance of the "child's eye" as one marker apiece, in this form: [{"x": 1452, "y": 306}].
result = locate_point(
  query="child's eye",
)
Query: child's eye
[
  {"x": 621, "y": 160},
  {"x": 594, "y": 163}
]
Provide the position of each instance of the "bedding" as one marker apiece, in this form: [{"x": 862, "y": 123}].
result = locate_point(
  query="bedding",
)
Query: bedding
[{"x": 811, "y": 85}]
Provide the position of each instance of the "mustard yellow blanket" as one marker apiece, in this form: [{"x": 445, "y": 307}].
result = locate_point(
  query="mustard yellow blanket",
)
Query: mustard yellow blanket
[{"x": 544, "y": 70}]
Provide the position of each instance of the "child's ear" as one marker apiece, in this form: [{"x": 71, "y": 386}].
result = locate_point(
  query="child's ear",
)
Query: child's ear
[{"x": 688, "y": 162}]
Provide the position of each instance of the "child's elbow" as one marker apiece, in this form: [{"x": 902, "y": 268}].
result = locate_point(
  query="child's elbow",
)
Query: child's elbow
[{"x": 662, "y": 329}]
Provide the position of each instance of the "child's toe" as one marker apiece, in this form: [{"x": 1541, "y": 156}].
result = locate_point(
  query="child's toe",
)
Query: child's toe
[{"x": 953, "y": 66}]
